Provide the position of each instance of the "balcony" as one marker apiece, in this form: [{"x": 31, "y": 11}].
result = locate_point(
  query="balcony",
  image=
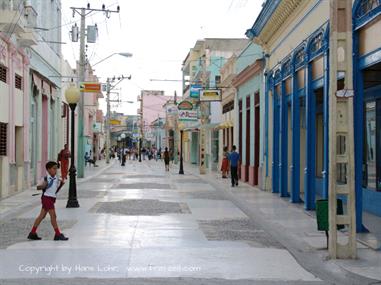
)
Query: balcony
[
  {"x": 18, "y": 19},
  {"x": 11, "y": 18}
]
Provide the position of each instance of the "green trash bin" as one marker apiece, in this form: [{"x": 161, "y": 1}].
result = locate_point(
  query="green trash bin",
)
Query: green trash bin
[{"x": 322, "y": 214}]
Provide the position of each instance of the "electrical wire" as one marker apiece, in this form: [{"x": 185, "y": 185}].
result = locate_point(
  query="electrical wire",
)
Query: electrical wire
[
  {"x": 14, "y": 25},
  {"x": 77, "y": 21}
]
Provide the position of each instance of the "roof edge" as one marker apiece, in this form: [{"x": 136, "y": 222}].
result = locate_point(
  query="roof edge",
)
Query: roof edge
[{"x": 268, "y": 9}]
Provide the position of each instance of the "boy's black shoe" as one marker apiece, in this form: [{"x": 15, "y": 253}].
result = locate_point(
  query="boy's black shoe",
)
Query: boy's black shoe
[
  {"x": 60, "y": 237},
  {"x": 33, "y": 236},
  {"x": 236, "y": 184}
]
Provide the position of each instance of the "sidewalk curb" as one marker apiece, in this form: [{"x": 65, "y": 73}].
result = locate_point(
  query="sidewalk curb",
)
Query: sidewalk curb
[{"x": 34, "y": 203}]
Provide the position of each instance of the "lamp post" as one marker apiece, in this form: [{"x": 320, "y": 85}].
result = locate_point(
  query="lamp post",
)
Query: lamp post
[
  {"x": 140, "y": 149},
  {"x": 123, "y": 136},
  {"x": 72, "y": 96},
  {"x": 181, "y": 171}
]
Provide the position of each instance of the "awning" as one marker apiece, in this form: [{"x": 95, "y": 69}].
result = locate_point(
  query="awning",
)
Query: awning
[
  {"x": 225, "y": 125},
  {"x": 197, "y": 127},
  {"x": 194, "y": 128}
]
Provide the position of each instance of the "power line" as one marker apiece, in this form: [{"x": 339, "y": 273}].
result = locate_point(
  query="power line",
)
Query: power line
[
  {"x": 77, "y": 21},
  {"x": 14, "y": 25}
]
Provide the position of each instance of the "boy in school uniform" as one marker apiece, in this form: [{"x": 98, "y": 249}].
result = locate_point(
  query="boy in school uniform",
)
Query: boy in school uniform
[{"x": 50, "y": 185}]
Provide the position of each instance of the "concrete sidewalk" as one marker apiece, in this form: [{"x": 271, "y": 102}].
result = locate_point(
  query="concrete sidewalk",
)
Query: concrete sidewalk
[
  {"x": 140, "y": 223},
  {"x": 296, "y": 227},
  {"x": 24, "y": 200}
]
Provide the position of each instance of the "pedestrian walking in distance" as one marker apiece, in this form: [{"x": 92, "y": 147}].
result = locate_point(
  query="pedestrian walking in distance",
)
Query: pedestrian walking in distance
[
  {"x": 63, "y": 161},
  {"x": 50, "y": 185},
  {"x": 234, "y": 160},
  {"x": 166, "y": 159},
  {"x": 225, "y": 163}
]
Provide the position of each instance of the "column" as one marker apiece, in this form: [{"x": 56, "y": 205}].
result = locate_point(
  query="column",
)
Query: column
[
  {"x": 275, "y": 162},
  {"x": 283, "y": 164},
  {"x": 243, "y": 142},
  {"x": 358, "y": 103},
  {"x": 295, "y": 167},
  {"x": 325, "y": 124},
  {"x": 309, "y": 171},
  {"x": 252, "y": 140},
  {"x": 26, "y": 120}
]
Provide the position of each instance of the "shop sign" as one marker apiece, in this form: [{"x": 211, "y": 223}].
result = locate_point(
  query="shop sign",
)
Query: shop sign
[
  {"x": 188, "y": 115},
  {"x": 185, "y": 105},
  {"x": 210, "y": 95},
  {"x": 194, "y": 91},
  {"x": 90, "y": 87}
]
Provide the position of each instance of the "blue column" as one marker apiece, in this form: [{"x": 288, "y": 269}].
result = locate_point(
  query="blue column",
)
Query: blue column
[
  {"x": 358, "y": 112},
  {"x": 266, "y": 152},
  {"x": 275, "y": 163},
  {"x": 295, "y": 168},
  {"x": 283, "y": 164},
  {"x": 325, "y": 124},
  {"x": 309, "y": 171}
]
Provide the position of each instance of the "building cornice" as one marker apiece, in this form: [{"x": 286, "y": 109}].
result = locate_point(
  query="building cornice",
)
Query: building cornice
[
  {"x": 248, "y": 73},
  {"x": 272, "y": 17},
  {"x": 268, "y": 9}
]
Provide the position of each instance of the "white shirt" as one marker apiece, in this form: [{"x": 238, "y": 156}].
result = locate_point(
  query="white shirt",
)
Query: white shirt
[{"x": 51, "y": 191}]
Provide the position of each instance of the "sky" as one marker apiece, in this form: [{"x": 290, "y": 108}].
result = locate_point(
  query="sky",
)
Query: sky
[{"x": 159, "y": 34}]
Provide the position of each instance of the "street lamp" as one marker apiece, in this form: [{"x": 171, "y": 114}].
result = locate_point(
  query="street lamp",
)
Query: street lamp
[
  {"x": 72, "y": 96},
  {"x": 123, "y": 136},
  {"x": 181, "y": 126},
  {"x": 181, "y": 171},
  {"x": 140, "y": 149},
  {"x": 125, "y": 54}
]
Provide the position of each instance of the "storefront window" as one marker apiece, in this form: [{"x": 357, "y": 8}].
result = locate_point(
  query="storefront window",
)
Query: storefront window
[{"x": 372, "y": 145}]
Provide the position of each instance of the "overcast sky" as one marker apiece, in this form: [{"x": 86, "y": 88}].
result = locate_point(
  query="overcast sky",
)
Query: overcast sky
[{"x": 159, "y": 33}]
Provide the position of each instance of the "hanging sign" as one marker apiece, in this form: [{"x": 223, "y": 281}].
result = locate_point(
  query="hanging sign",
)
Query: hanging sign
[
  {"x": 209, "y": 95},
  {"x": 185, "y": 105},
  {"x": 115, "y": 122},
  {"x": 188, "y": 115},
  {"x": 194, "y": 91},
  {"x": 90, "y": 87}
]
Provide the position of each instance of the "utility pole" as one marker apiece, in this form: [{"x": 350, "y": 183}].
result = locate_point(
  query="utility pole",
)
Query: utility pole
[
  {"x": 108, "y": 115},
  {"x": 108, "y": 87},
  {"x": 81, "y": 145},
  {"x": 83, "y": 12},
  {"x": 341, "y": 137},
  {"x": 141, "y": 138}
]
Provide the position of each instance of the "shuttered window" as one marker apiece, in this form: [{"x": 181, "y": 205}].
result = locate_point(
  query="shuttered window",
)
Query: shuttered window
[
  {"x": 18, "y": 82},
  {"x": 3, "y": 73},
  {"x": 3, "y": 139}
]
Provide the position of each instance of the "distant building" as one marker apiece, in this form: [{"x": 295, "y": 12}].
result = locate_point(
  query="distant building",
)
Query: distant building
[{"x": 202, "y": 70}]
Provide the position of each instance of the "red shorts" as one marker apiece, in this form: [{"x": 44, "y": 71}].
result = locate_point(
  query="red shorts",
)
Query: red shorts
[{"x": 48, "y": 203}]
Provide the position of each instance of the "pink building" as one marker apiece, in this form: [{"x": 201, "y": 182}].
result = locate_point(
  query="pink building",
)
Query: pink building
[
  {"x": 14, "y": 116},
  {"x": 152, "y": 109}
]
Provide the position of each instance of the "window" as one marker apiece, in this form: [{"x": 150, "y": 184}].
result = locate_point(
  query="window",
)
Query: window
[
  {"x": 300, "y": 56},
  {"x": 18, "y": 82},
  {"x": 3, "y": 139},
  {"x": 3, "y": 73},
  {"x": 316, "y": 44},
  {"x": 218, "y": 79},
  {"x": 366, "y": 6},
  {"x": 372, "y": 164}
]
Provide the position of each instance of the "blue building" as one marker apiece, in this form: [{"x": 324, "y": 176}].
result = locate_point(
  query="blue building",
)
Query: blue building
[{"x": 295, "y": 38}]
